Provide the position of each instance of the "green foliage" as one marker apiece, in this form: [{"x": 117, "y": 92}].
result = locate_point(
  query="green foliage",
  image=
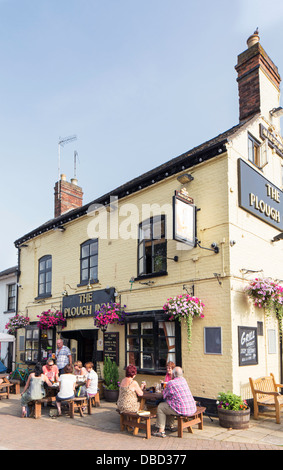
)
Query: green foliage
[
  {"x": 230, "y": 401},
  {"x": 111, "y": 374}
]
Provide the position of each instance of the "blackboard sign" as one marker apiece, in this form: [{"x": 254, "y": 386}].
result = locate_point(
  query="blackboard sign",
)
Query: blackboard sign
[
  {"x": 248, "y": 354},
  {"x": 111, "y": 346}
]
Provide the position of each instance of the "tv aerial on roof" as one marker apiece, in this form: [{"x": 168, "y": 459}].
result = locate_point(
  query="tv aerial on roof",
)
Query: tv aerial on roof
[{"x": 61, "y": 143}]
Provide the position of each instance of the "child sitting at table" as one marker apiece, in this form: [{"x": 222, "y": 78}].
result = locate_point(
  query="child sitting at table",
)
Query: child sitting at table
[{"x": 91, "y": 381}]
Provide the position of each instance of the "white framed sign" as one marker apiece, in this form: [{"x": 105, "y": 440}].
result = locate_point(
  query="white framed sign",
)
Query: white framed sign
[{"x": 184, "y": 220}]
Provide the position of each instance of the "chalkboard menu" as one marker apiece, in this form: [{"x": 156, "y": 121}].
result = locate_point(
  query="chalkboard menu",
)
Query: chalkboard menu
[
  {"x": 248, "y": 354},
  {"x": 111, "y": 346}
]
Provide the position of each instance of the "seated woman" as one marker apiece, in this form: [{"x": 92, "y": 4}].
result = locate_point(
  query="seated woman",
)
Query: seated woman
[
  {"x": 79, "y": 369},
  {"x": 34, "y": 388},
  {"x": 129, "y": 391},
  {"x": 169, "y": 371},
  {"x": 67, "y": 385}
]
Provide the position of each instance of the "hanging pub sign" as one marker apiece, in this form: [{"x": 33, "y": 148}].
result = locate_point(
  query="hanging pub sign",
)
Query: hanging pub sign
[
  {"x": 184, "y": 218},
  {"x": 85, "y": 304},
  {"x": 259, "y": 196},
  {"x": 247, "y": 337}
]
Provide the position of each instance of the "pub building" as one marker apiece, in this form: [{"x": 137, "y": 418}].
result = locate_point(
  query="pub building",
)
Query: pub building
[{"x": 204, "y": 223}]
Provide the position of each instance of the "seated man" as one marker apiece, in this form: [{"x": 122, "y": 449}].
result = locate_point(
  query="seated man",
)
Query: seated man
[{"x": 178, "y": 401}]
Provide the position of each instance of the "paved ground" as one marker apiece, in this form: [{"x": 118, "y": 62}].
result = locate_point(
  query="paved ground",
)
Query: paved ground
[{"x": 101, "y": 432}]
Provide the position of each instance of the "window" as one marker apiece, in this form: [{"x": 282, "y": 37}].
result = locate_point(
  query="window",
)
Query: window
[
  {"x": 44, "y": 276},
  {"x": 39, "y": 344},
  {"x": 253, "y": 151},
  {"x": 151, "y": 343},
  {"x": 212, "y": 340},
  {"x": 89, "y": 261},
  {"x": 32, "y": 343},
  {"x": 11, "y": 297},
  {"x": 152, "y": 246}
]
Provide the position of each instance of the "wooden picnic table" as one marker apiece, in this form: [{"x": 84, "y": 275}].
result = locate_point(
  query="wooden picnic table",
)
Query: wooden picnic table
[{"x": 149, "y": 396}]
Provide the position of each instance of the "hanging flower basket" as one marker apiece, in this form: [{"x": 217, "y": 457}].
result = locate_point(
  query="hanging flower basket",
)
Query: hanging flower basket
[
  {"x": 16, "y": 322},
  {"x": 184, "y": 307},
  {"x": 50, "y": 319},
  {"x": 109, "y": 314},
  {"x": 266, "y": 294}
]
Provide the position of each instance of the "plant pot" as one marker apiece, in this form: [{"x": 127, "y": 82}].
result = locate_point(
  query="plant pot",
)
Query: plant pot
[
  {"x": 234, "y": 419},
  {"x": 111, "y": 395}
]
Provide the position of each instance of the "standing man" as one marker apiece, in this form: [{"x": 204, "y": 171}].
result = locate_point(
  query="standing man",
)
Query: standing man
[
  {"x": 63, "y": 356},
  {"x": 178, "y": 401}
]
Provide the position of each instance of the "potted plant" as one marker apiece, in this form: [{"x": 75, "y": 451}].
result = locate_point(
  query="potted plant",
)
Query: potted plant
[
  {"x": 51, "y": 319},
  {"x": 16, "y": 322},
  {"x": 111, "y": 380},
  {"x": 108, "y": 314},
  {"x": 184, "y": 307},
  {"x": 233, "y": 411}
]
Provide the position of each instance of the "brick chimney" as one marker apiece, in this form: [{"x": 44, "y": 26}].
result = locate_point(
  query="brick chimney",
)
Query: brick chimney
[
  {"x": 258, "y": 80},
  {"x": 67, "y": 196}
]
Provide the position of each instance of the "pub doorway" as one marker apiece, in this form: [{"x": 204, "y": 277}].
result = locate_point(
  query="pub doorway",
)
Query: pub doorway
[{"x": 86, "y": 344}]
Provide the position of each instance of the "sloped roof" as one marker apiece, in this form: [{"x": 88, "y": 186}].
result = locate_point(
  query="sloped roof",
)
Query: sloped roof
[{"x": 203, "y": 152}]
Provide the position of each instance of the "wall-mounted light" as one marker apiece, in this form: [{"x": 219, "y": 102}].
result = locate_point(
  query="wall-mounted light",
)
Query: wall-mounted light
[
  {"x": 277, "y": 112},
  {"x": 185, "y": 178},
  {"x": 214, "y": 246},
  {"x": 60, "y": 228},
  {"x": 277, "y": 237}
]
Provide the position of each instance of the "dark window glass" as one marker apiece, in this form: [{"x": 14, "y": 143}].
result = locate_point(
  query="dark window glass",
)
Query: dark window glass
[
  {"x": 152, "y": 246},
  {"x": 89, "y": 261},
  {"x": 45, "y": 276}
]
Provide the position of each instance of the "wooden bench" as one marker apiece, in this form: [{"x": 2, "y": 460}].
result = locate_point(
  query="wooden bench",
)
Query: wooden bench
[
  {"x": 16, "y": 386},
  {"x": 77, "y": 403},
  {"x": 93, "y": 401},
  {"x": 135, "y": 421},
  {"x": 5, "y": 388},
  {"x": 35, "y": 406},
  {"x": 186, "y": 422},
  {"x": 265, "y": 393}
]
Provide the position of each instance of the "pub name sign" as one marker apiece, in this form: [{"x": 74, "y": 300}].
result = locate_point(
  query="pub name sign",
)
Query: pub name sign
[
  {"x": 259, "y": 196},
  {"x": 86, "y": 303}
]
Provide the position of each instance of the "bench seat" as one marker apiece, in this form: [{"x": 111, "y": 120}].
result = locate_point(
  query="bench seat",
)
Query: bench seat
[
  {"x": 186, "y": 422},
  {"x": 135, "y": 421}
]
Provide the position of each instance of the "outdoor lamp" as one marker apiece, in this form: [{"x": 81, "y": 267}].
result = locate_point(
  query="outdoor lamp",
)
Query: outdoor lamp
[{"x": 185, "y": 178}]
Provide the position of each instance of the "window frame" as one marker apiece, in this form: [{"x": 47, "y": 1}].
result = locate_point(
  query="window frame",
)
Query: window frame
[
  {"x": 92, "y": 280},
  {"x": 11, "y": 297},
  {"x": 155, "y": 318},
  {"x": 39, "y": 339},
  {"x": 44, "y": 272},
  {"x": 142, "y": 247},
  {"x": 254, "y": 159},
  {"x": 205, "y": 330}
]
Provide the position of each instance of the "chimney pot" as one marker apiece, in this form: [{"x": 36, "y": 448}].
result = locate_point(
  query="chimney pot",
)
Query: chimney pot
[{"x": 253, "y": 39}]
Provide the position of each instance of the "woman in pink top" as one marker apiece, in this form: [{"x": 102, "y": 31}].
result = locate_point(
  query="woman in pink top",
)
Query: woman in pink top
[
  {"x": 169, "y": 371},
  {"x": 51, "y": 371}
]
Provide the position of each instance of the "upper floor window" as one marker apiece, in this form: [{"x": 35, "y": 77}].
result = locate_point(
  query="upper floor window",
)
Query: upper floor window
[
  {"x": 254, "y": 151},
  {"x": 44, "y": 276},
  {"x": 89, "y": 261},
  {"x": 152, "y": 246},
  {"x": 11, "y": 297}
]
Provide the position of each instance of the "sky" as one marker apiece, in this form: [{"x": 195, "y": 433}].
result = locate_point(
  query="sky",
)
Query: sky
[{"x": 138, "y": 82}]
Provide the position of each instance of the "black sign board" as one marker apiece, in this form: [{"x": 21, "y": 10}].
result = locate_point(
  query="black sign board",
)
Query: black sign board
[
  {"x": 111, "y": 346},
  {"x": 259, "y": 196},
  {"x": 248, "y": 353},
  {"x": 85, "y": 304}
]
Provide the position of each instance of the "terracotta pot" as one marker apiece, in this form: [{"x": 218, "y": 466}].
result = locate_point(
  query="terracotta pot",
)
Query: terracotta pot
[{"x": 234, "y": 419}]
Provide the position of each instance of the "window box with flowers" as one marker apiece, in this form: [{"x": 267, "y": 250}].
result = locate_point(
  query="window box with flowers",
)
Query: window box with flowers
[
  {"x": 184, "y": 307},
  {"x": 267, "y": 294},
  {"x": 16, "y": 322},
  {"x": 51, "y": 319},
  {"x": 109, "y": 314}
]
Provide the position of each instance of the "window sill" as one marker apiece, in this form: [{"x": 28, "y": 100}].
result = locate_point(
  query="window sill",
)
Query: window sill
[
  {"x": 43, "y": 296},
  {"x": 147, "y": 276},
  {"x": 10, "y": 311},
  {"x": 90, "y": 281}
]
